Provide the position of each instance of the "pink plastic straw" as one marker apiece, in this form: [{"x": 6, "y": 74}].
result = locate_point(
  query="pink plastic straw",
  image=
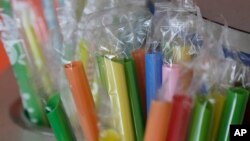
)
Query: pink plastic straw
[{"x": 170, "y": 74}]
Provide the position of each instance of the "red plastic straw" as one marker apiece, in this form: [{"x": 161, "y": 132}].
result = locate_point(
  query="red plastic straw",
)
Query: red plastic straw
[{"x": 179, "y": 119}]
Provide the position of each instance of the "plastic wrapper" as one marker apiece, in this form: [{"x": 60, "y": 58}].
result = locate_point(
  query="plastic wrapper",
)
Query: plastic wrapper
[
  {"x": 176, "y": 31},
  {"x": 54, "y": 54},
  {"x": 176, "y": 34},
  {"x": 216, "y": 74},
  {"x": 111, "y": 36},
  {"x": 60, "y": 81},
  {"x": 237, "y": 76},
  {"x": 210, "y": 94},
  {"x": 43, "y": 40},
  {"x": 202, "y": 119},
  {"x": 28, "y": 24},
  {"x": 50, "y": 13},
  {"x": 65, "y": 51},
  {"x": 244, "y": 57},
  {"x": 95, "y": 5},
  {"x": 22, "y": 68}
]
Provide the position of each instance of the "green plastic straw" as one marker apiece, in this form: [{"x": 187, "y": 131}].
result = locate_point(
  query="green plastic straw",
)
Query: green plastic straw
[
  {"x": 118, "y": 94},
  {"x": 58, "y": 119},
  {"x": 101, "y": 66},
  {"x": 30, "y": 99},
  {"x": 233, "y": 112},
  {"x": 134, "y": 97},
  {"x": 6, "y": 5},
  {"x": 201, "y": 120}
]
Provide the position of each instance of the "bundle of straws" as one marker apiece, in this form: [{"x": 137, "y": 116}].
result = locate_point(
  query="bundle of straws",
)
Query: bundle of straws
[{"x": 113, "y": 71}]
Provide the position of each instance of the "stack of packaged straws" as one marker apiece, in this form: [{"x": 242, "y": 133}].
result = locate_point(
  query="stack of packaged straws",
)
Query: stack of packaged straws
[{"x": 113, "y": 71}]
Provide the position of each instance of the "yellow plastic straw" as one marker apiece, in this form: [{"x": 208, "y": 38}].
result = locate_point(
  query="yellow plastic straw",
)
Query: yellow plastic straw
[
  {"x": 110, "y": 135},
  {"x": 218, "y": 109},
  {"x": 117, "y": 90},
  {"x": 89, "y": 65},
  {"x": 36, "y": 52},
  {"x": 181, "y": 54},
  {"x": 83, "y": 53}
]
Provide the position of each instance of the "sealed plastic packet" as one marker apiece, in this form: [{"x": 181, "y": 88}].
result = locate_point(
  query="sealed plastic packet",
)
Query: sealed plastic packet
[
  {"x": 217, "y": 75},
  {"x": 110, "y": 38},
  {"x": 174, "y": 110},
  {"x": 65, "y": 51},
  {"x": 23, "y": 71},
  {"x": 237, "y": 93},
  {"x": 244, "y": 57},
  {"x": 175, "y": 37},
  {"x": 28, "y": 22},
  {"x": 95, "y": 5},
  {"x": 34, "y": 30},
  {"x": 209, "y": 97}
]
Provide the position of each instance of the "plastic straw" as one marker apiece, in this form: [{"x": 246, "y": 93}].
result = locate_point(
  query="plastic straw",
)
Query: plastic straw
[
  {"x": 102, "y": 71},
  {"x": 180, "y": 117},
  {"x": 153, "y": 75},
  {"x": 233, "y": 112},
  {"x": 110, "y": 135},
  {"x": 181, "y": 54},
  {"x": 50, "y": 14},
  {"x": 31, "y": 101},
  {"x": 171, "y": 75},
  {"x": 201, "y": 120},
  {"x": 134, "y": 96},
  {"x": 83, "y": 53},
  {"x": 117, "y": 90},
  {"x": 6, "y": 5},
  {"x": 140, "y": 65},
  {"x": 218, "y": 110},
  {"x": 158, "y": 121},
  {"x": 58, "y": 120},
  {"x": 37, "y": 54},
  {"x": 83, "y": 99}
]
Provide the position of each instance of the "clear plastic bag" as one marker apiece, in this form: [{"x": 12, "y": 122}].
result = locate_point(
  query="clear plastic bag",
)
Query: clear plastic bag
[
  {"x": 93, "y": 6},
  {"x": 23, "y": 69},
  {"x": 177, "y": 32},
  {"x": 110, "y": 36}
]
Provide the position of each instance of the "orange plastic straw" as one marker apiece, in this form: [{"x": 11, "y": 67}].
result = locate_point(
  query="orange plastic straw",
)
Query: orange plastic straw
[
  {"x": 83, "y": 99},
  {"x": 158, "y": 121},
  {"x": 139, "y": 58}
]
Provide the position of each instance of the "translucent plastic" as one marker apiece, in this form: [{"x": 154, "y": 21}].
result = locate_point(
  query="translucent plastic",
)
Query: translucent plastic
[
  {"x": 22, "y": 69},
  {"x": 116, "y": 86},
  {"x": 83, "y": 99}
]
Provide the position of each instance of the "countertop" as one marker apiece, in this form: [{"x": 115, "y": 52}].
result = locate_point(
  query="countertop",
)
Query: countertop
[{"x": 9, "y": 130}]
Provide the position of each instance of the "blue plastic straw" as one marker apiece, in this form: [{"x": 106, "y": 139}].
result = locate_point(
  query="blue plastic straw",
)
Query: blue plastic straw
[{"x": 153, "y": 75}]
